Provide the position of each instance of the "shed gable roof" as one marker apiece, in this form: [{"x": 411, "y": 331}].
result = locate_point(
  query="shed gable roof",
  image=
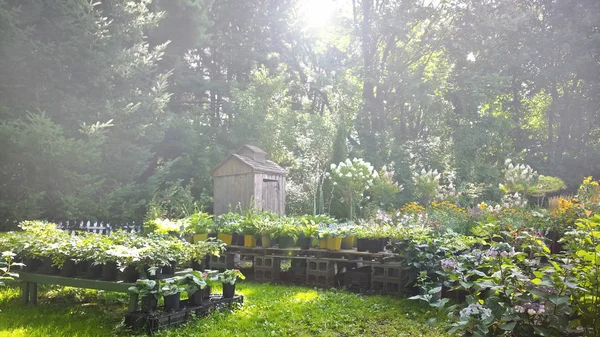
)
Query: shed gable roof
[
  {"x": 251, "y": 148},
  {"x": 266, "y": 167}
]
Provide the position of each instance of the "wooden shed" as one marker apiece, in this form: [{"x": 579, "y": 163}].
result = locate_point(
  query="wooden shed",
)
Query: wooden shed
[{"x": 248, "y": 179}]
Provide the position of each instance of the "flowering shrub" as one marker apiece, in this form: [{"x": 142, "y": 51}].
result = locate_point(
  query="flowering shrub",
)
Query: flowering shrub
[
  {"x": 427, "y": 183},
  {"x": 353, "y": 178},
  {"x": 517, "y": 178}
]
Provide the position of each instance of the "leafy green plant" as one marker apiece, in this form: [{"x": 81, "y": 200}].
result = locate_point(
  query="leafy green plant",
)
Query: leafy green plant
[
  {"x": 146, "y": 288},
  {"x": 170, "y": 286},
  {"x": 193, "y": 282},
  {"x": 227, "y": 223},
  {"x": 200, "y": 223},
  {"x": 230, "y": 276},
  {"x": 582, "y": 268},
  {"x": 6, "y": 264},
  {"x": 285, "y": 227}
]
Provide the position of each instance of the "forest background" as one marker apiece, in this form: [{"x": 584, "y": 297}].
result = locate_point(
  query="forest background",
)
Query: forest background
[{"x": 109, "y": 109}]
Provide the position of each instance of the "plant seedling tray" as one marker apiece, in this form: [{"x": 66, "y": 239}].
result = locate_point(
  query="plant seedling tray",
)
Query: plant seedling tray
[{"x": 152, "y": 322}]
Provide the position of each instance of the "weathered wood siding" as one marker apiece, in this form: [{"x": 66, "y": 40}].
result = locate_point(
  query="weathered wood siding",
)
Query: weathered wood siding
[
  {"x": 270, "y": 193},
  {"x": 232, "y": 166},
  {"x": 229, "y": 191},
  {"x": 239, "y": 181}
]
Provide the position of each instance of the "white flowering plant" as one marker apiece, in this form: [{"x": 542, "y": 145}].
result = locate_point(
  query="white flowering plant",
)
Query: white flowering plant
[
  {"x": 518, "y": 177},
  {"x": 352, "y": 178}
]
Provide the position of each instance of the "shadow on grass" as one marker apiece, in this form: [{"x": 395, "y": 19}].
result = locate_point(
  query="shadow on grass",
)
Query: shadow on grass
[{"x": 60, "y": 312}]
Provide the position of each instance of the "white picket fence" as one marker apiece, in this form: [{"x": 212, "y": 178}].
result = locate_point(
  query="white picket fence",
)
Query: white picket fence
[{"x": 98, "y": 227}]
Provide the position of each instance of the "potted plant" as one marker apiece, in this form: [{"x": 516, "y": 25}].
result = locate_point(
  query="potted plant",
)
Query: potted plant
[
  {"x": 308, "y": 231},
  {"x": 248, "y": 229},
  {"x": 226, "y": 225},
  {"x": 334, "y": 238},
  {"x": 228, "y": 278},
  {"x": 148, "y": 291},
  {"x": 201, "y": 224},
  {"x": 171, "y": 291},
  {"x": 361, "y": 239},
  {"x": 348, "y": 232},
  {"x": 265, "y": 228},
  {"x": 286, "y": 232},
  {"x": 376, "y": 239},
  {"x": 194, "y": 284},
  {"x": 199, "y": 251},
  {"x": 323, "y": 235}
]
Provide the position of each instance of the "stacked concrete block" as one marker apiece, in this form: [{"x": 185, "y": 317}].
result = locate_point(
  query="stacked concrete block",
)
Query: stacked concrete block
[
  {"x": 321, "y": 272},
  {"x": 266, "y": 268},
  {"x": 388, "y": 279},
  {"x": 225, "y": 261}
]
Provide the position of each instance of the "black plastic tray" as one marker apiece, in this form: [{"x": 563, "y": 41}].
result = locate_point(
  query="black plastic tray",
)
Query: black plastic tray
[{"x": 152, "y": 322}]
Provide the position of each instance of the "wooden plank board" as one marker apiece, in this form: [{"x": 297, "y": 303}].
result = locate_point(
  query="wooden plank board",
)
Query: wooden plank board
[
  {"x": 315, "y": 251},
  {"x": 75, "y": 282}
]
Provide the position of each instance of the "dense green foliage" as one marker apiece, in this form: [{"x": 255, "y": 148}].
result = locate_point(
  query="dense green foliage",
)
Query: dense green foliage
[
  {"x": 112, "y": 108},
  {"x": 41, "y": 241},
  {"x": 268, "y": 310}
]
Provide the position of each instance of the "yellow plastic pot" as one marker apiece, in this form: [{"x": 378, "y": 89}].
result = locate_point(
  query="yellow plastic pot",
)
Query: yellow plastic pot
[
  {"x": 323, "y": 243},
  {"x": 266, "y": 241},
  {"x": 199, "y": 237},
  {"x": 226, "y": 238},
  {"x": 348, "y": 242},
  {"x": 334, "y": 243},
  {"x": 249, "y": 241}
]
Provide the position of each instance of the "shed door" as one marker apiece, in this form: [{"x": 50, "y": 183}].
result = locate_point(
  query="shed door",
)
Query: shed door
[{"x": 270, "y": 195}]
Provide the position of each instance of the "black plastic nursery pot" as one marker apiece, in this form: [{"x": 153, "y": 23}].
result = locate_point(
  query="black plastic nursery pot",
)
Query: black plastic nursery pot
[
  {"x": 83, "y": 267},
  {"x": 110, "y": 271},
  {"x": 32, "y": 264},
  {"x": 199, "y": 265},
  {"x": 172, "y": 302},
  {"x": 375, "y": 245},
  {"x": 237, "y": 239},
  {"x": 69, "y": 269},
  {"x": 196, "y": 298},
  {"x": 94, "y": 271},
  {"x": 387, "y": 243},
  {"x": 304, "y": 243},
  {"x": 47, "y": 267},
  {"x": 149, "y": 303},
  {"x": 228, "y": 290},
  {"x": 152, "y": 275},
  {"x": 169, "y": 270},
  {"x": 286, "y": 242},
  {"x": 362, "y": 245},
  {"x": 131, "y": 274},
  {"x": 206, "y": 293}
]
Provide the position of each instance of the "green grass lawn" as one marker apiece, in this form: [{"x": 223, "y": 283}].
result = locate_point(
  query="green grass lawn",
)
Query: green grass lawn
[{"x": 269, "y": 310}]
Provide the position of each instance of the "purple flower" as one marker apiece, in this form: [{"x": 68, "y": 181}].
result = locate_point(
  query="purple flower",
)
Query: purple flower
[{"x": 449, "y": 264}]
